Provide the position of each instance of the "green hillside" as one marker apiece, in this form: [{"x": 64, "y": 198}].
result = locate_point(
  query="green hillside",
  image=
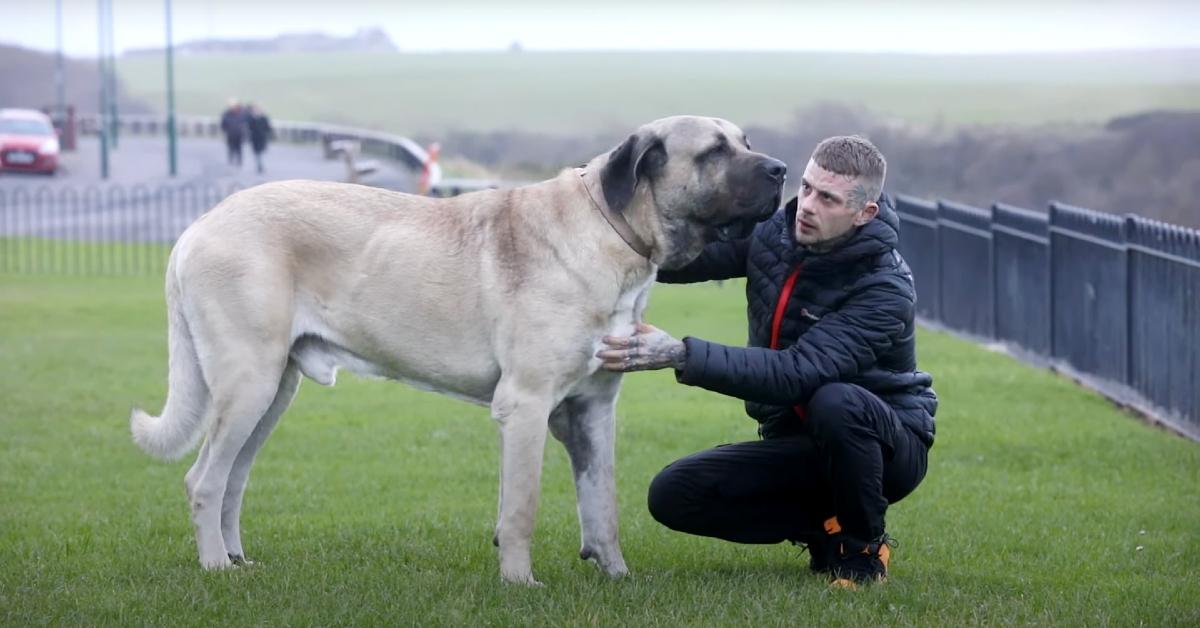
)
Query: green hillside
[{"x": 565, "y": 93}]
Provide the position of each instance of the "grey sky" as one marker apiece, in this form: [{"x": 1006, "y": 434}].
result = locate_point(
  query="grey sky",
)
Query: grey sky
[{"x": 930, "y": 26}]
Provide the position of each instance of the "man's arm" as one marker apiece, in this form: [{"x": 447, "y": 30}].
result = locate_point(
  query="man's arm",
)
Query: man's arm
[
  {"x": 719, "y": 260},
  {"x": 841, "y": 345}
]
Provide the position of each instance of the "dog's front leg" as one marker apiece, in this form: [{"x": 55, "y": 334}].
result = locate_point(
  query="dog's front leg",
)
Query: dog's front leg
[
  {"x": 585, "y": 425},
  {"x": 522, "y": 415}
]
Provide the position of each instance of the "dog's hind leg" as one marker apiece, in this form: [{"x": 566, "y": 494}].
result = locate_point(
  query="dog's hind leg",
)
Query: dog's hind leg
[
  {"x": 235, "y": 488},
  {"x": 585, "y": 424},
  {"x": 522, "y": 413},
  {"x": 240, "y": 400},
  {"x": 193, "y": 474},
  {"x": 239, "y": 309}
]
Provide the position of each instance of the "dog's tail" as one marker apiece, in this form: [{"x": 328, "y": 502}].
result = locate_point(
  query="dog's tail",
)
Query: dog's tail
[{"x": 170, "y": 436}]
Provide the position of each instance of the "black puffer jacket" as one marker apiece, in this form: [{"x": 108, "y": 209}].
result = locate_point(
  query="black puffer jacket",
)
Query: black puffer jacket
[{"x": 848, "y": 317}]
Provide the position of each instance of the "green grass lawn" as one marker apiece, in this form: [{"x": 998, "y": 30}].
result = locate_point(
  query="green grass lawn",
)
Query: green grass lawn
[
  {"x": 591, "y": 92},
  {"x": 373, "y": 503}
]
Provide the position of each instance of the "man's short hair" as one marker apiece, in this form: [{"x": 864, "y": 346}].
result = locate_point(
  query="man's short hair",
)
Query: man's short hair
[{"x": 854, "y": 156}]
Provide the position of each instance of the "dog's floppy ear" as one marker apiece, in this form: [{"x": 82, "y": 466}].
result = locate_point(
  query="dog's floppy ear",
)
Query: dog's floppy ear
[{"x": 638, "y": 156}]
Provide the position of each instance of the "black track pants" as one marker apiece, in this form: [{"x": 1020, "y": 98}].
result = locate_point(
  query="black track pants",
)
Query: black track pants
[{"x": 854, "y": 458}]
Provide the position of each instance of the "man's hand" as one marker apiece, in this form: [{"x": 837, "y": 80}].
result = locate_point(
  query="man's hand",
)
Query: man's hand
[{"x": 648, "y": 349}]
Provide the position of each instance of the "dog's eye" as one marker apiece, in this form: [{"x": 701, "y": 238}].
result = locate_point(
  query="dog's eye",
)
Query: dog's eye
[
  {"x": 717, "y": 150},
  {"x": 746, "y": 141}
]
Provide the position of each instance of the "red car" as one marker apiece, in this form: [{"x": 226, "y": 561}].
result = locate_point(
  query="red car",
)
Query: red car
[{"x": 28, "y": 142}]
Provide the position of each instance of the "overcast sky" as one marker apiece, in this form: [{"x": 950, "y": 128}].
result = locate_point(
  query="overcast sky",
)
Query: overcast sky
[{"x": 929, "y": 26}]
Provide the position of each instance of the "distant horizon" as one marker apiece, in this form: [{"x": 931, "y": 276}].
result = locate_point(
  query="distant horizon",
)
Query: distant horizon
[
  {"x": 925, "y": 27},
  {"x": 523, "y": 50}
]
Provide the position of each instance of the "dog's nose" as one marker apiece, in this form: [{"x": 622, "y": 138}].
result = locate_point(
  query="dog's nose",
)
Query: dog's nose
[{"x": 775, "y": 169}]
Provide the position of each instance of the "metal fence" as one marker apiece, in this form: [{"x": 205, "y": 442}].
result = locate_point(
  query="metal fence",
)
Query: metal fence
[
  {"x": 110, "y": 230},
  {"x": 1112, "y": 299}
]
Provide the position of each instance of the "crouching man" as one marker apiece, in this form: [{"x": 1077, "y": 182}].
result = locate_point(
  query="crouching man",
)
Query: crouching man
[{"x": 830, "y": 374}]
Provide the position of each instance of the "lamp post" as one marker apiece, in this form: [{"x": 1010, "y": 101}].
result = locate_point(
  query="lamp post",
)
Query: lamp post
[
  {"x": 60, "y": 101},
  {"x": 171, "y": 148},
  {"x": 102, "y": 126},
  {"x": 113, "y": 120}
]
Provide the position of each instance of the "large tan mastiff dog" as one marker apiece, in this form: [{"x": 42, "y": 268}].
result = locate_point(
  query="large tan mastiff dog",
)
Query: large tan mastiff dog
[{"x": 498, "y": 297}]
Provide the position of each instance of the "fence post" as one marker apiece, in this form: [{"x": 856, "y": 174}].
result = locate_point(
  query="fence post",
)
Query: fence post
[
  {"x": 921, "y": 248},
  {"x": 966, "y": 243},
  {"x": 1089, "y": 268},
  {"x": 1164, "y": 317},
  {"x": 1021, "y": 259}
]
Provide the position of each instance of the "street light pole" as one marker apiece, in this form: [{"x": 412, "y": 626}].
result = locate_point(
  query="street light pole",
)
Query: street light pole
[
  {"x": 171, "y": 148},
  {"x": 60, "y": 101},
  {"x": 102, "y": 123},
  {"x": 113, "y": 120}
]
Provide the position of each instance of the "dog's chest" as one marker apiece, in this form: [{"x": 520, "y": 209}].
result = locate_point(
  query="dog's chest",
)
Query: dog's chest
[
  {"x": 626, "y": 313},
  {"x": 630, "y": 306}
]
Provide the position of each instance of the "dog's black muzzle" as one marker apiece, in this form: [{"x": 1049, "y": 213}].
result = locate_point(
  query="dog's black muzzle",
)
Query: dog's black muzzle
[
  {"x": 769, "y": 176},
  {"x": 739, "y": 228}
]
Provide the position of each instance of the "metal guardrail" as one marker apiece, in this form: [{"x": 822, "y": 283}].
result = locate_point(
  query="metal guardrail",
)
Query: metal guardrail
[
  {"x": 375, "y": 143},
  {"x": 1113, "y": 300}
]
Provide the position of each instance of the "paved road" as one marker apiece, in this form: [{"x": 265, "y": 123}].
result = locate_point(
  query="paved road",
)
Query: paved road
[
  {"x": 141, "y": 160},
  {"x": 140, "y": 203}
]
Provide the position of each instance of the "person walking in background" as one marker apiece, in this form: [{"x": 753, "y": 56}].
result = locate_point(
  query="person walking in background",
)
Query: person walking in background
[
  {"x": 233, "y": 125},
  {"x": 260, "y": 133}
]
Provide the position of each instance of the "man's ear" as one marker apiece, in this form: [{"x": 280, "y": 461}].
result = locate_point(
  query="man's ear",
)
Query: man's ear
[
  {"x": 640, "y": 155},
  {"x": 868, "y": 213}
]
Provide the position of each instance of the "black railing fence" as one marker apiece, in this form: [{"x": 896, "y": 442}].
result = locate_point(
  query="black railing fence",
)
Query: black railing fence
[
  {"x": 1114, "y": 300},
  {"x": 110, "y": 230}
]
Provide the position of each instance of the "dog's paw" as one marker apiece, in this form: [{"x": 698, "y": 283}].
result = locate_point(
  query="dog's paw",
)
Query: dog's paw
[
  {"x": 525, "y": 581},
  {"x": 612, "y": 567},
  {"x": 217, "y": 564},
  {"x": 522, "y": 577},
  {"x": 615, "y": 572},
  {"x": 240, "y": 561}
]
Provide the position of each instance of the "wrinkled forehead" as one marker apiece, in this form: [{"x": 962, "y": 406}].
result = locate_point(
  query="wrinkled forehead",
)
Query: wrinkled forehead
[
  {"x": 695, "y": 134},
  {"x": 827, "y": 180}
]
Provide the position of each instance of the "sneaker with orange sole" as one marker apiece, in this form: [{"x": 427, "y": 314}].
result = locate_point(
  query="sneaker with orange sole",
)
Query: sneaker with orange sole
[{"x": 853, "y": 562}]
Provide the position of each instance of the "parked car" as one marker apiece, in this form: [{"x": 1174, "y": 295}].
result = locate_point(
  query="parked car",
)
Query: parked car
[{"x": 28, "y": 141}]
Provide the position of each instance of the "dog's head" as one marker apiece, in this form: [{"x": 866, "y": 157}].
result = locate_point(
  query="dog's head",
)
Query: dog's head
[{"x": 694, "y": 180}]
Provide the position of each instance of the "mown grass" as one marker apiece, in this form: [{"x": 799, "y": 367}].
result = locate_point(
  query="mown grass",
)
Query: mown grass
[
  {"x": 33, "y": 255},
  {"x": 373, "y": 504},
  {"x": 593, "y": 92}
]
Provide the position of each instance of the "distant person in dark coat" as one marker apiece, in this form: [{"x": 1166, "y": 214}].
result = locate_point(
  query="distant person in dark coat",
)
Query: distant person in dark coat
[
  {"x": 235, "y": 128},
  {"x": 845, "y": 417},
  {"x": 260, "y": 132}
]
